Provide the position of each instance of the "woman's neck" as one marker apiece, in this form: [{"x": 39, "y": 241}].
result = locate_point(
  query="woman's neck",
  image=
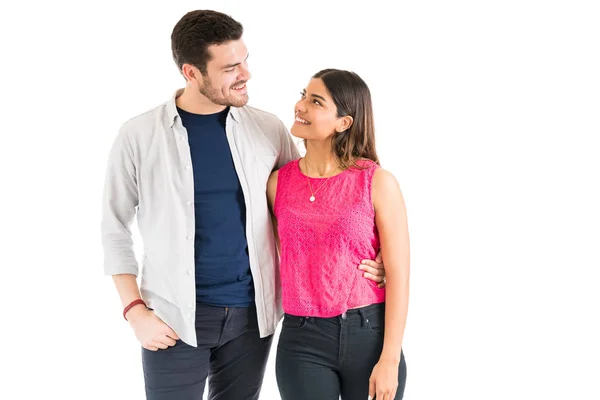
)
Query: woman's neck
[{"x": 320, "y": 159}]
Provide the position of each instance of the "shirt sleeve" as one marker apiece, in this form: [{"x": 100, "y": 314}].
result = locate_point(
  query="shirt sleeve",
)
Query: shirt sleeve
[
  {"x": 289, "y": 150},
  {"x": 119, "y": 202}
]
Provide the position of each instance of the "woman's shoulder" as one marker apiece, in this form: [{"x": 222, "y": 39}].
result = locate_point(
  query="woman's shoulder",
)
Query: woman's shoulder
[
  {"x": 289, "y": 165},
  {"x": 366, "y": 163},
  {"x": 384, "y": 182}
]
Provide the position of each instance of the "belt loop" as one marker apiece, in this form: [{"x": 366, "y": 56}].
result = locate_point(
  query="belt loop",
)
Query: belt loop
[{"x": 363, "y": 317}]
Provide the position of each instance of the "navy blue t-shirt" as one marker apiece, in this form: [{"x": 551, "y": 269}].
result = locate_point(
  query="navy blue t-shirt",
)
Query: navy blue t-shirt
[{"x": 223, "y": 275}]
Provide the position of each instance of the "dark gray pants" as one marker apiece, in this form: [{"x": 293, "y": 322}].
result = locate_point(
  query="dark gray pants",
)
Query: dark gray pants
[
  {"x": 230, "y": 351},
  {"x": 323, "y": 358}
]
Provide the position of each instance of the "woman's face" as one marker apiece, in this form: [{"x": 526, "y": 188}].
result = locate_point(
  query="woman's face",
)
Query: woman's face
[{"x": 316, "y": 113}]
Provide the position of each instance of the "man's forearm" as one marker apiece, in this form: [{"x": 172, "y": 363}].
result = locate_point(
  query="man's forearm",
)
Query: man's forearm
[{"x": 127, "y": 287}]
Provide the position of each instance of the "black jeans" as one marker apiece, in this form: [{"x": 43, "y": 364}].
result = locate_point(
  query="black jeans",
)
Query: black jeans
[
  {"x": 230, "y": 351},
  {"x": 321, "y": 358}
]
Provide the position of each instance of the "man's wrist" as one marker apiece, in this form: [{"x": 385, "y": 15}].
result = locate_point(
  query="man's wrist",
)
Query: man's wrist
[
  {"x": 136, "y": 311},
  {"x": 135, "y": 304}
]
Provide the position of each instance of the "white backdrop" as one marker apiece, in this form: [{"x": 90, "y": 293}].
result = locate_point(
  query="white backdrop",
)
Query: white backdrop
[{"x": 486, "y": 112}]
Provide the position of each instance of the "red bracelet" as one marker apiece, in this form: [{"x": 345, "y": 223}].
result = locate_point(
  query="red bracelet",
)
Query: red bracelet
[{"x": 130, "y": 305}]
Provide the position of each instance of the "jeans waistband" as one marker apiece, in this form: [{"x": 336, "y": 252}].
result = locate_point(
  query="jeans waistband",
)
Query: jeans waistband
[{"x": 362, "y": 313}]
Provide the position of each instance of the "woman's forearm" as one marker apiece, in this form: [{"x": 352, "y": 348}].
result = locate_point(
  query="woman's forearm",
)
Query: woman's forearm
[{"x": 396, "y": 310}]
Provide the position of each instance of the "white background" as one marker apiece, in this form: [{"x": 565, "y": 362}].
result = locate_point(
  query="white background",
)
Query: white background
[{"x": 487, "y": 112}]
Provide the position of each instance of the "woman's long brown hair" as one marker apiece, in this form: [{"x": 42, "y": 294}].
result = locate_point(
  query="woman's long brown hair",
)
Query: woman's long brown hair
[{"x": 352, "y": 97}]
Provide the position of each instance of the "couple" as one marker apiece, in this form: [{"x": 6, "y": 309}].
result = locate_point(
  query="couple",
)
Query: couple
[{"x": 223, "y": 261}]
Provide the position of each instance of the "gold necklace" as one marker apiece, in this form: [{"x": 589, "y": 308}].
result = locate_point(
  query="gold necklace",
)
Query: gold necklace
[{"x": 312, "y": 198}]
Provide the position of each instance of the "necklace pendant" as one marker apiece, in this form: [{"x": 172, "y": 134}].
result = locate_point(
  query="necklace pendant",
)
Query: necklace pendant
[{"x": 312, "y": 198}]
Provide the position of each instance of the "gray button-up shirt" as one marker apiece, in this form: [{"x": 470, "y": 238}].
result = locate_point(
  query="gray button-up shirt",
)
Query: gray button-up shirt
[{"x": 150, "y": 174}]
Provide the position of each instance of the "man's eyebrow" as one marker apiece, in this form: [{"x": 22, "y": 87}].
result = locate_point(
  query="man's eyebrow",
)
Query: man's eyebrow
[{"x": 234, "y": 65}]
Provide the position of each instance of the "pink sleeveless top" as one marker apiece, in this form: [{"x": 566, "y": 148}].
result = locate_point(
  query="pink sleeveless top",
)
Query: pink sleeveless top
[{"x": 323, "y": 242}]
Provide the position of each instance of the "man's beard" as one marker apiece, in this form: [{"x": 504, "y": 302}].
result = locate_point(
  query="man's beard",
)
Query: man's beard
[{"x": 214, "y": 95}]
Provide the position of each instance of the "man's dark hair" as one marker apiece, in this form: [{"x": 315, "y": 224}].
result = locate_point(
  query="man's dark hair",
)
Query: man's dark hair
[{"x": 196, "y": 31}]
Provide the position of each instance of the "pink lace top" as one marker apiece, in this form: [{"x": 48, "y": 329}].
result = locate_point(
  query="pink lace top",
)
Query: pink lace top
[{"x": 323, "y": 242}]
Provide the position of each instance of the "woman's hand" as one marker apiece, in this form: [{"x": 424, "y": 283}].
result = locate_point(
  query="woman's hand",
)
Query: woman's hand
[{"x": 383, "y": 383}]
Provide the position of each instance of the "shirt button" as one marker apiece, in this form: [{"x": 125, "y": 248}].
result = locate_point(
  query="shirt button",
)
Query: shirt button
[
  {"x": 182, "y": 137},
  {"x": 188, "y": 167},
  {"x": 189, "y": 237},
  {"x": 189, "y": 271},
  {"x": 190, "y": 203}
]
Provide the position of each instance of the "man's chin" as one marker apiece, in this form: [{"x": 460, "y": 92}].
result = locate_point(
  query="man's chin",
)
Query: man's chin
[{"x": 238, "y": 101}]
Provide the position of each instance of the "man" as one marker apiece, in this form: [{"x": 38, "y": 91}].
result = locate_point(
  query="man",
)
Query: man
[{"x": 194, "y": 170}]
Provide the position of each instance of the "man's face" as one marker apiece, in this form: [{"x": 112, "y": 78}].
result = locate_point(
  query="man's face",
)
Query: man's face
[{"x": 227, "y": 74}]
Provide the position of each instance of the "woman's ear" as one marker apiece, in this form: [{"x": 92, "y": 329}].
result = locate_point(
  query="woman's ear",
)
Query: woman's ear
[{"x": 344, "y": 124}]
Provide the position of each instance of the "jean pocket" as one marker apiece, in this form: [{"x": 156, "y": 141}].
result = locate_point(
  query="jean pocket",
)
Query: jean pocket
[{"x": 375, "y": 327}]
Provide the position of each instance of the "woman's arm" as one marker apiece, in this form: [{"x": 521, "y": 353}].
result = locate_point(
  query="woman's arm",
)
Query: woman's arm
[
  {"x": 271, "y": 191},
  {"x": 391, "y": 221}
]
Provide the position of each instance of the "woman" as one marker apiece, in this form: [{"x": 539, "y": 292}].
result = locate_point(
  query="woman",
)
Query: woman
[{"x": 331, "y": 209}]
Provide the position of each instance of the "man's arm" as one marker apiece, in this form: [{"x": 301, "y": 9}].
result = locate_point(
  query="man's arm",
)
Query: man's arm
[
  {"x": 120, "y": 198},
  {"x": 119, "y": 203},
  {"x": 288, "y": 150},
  {"x": 151, "y": 331}
]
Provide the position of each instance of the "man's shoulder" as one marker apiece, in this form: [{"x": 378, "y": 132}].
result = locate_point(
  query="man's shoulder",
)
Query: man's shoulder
[
  {"x": 260, "y": 116},
  {"x": 146, "y": 121}
]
